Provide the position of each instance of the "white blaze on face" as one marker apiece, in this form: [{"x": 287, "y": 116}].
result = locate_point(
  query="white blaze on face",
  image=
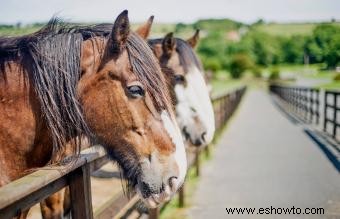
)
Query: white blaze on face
[
  {"x": 195, "y": 96},
  {"x": 176, "y": 137}
]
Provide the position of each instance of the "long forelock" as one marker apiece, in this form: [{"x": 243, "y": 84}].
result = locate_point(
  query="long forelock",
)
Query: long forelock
[{"x": 147, "y": 69}]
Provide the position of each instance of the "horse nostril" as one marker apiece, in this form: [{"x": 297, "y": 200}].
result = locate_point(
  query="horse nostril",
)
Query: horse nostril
[
  {"x": 197, "y": 142},
  {"x": 173, "y": 183},
  {"x": 203, "y": 136},
  {"x": 186, "y": 134},
  {"x": 146, "y": 189}
]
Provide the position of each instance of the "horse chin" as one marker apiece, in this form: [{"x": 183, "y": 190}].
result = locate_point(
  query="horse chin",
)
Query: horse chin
[
  {"x": 156, "y": 199},
  {"x": 128, "y": 165}
]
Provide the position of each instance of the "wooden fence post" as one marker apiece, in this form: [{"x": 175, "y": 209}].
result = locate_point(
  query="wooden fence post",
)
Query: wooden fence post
[
  {"x": 207, "y": 151},
  {"x": 80, "y": 192},
  {"x": 154, "y": 213},
  {"x": 181, "y": 196},
  {"x": 197, "y": 161}
]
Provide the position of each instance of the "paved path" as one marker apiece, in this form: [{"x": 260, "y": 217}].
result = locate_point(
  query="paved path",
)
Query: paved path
[{"x": 264, "y": 160}]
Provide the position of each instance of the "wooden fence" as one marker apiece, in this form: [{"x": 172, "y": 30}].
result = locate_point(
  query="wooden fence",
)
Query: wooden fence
[
  {"x": 306, "y": 104},
  {"x": 25, "y": 192}
]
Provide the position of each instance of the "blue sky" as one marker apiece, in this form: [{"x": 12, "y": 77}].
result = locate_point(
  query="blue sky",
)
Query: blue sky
[{"x": 28, "y": 11}]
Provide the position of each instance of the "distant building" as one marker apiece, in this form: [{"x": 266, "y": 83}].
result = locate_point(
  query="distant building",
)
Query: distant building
[
  {"x": 337, "y": 69},
  {"x": 233, "y": 35}
]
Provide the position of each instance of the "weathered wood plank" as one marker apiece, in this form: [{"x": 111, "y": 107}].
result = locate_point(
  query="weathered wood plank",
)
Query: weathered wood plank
[
  {"x": 154, "y": 213},
  {"x": 80, "y": 192},
  {"x": 27, "y": 185},
  {"x": 17, "y": 206},
  {"x": 116, "y": 206}
]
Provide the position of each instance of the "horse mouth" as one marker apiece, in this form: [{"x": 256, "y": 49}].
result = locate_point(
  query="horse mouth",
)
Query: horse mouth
[
  {"x": 155, "y": 199},
  {"x": 196, "y": 142}
]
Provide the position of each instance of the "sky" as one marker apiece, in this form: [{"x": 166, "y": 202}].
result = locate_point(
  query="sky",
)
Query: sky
[{"x": 169, "y": 11}]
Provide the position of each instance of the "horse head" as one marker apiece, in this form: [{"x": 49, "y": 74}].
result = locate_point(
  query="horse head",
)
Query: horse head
[
  {"x": 194, "y": 109},
  {"x": 127, "y": 106}
]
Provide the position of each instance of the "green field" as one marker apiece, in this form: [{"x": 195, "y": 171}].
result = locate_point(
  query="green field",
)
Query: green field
[
  {"x": 159, "y": 29},
  {"x": 15, "y": 31},
  {"x": 289, "y": 29}
]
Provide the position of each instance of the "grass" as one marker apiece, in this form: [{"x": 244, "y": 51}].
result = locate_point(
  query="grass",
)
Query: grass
[
  {"x": 222, "y": 82},
  {"x": 13, "y": 31},
  {"x": 222, "y": 86},
  {"x": 335, "y": 85},
  {"x": 158, "y": 29},
  {"x": 289, "y": 29},
  {"x": 310, "y": 72},
  {"x": 313, "y": 71}
]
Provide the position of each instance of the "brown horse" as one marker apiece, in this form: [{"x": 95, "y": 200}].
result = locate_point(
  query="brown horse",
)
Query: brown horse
[
  {"x": 63, "y": 82},
  {"x": 194, "y": 110}
]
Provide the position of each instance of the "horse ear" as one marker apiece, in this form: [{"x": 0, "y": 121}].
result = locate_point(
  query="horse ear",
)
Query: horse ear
[
  {"x": 144, "y": 30},
  {"x": 194, "y": 39},
  {"x": 120, "y": 31},
  {"x": 168, "y": 44}
]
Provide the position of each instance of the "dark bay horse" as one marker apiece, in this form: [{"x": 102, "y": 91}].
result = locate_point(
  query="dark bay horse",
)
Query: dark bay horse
[
  {"x": 193, "y": 106},
  {"x": 63, "y": 82}
]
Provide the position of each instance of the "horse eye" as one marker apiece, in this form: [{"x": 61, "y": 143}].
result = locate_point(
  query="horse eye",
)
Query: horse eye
[
  {"x": 179, "y": 79},
  {"x": 193, "y": 109},
  {"x": 136, "y": 91}
]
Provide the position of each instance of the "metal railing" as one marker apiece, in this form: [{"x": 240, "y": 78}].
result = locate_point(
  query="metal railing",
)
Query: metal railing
[
  {"x": 306, "y": 104},
  {"x": 29, "y": 190},
  {"x": 333, "y": 109},
  {"x": 303, "y": 101}
]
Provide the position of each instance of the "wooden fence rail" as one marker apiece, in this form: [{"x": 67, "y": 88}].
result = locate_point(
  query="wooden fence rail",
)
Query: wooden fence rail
[
  {"x": 306, "y": 104},
  {"x": 29, "y": 190}
]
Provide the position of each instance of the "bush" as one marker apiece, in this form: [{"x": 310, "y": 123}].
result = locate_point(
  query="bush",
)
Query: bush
[
  {"x": 257, "y": 72},
  {"x": 239, "y": 64},
  {"x": 212, "y": 64},
  {"x": 337, "y": 77},
  {"x": 274, "y": 74}
]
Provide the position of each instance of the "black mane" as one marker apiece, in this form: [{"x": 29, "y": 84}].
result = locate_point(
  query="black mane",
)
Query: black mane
[{"x": 50, "y": 59}]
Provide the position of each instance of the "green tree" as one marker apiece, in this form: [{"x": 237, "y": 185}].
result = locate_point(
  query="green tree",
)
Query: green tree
[
  {"x": 293, "y": 49},
  {"x": 327, "y": 39},
  {"x": 239, "y": 64}
]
